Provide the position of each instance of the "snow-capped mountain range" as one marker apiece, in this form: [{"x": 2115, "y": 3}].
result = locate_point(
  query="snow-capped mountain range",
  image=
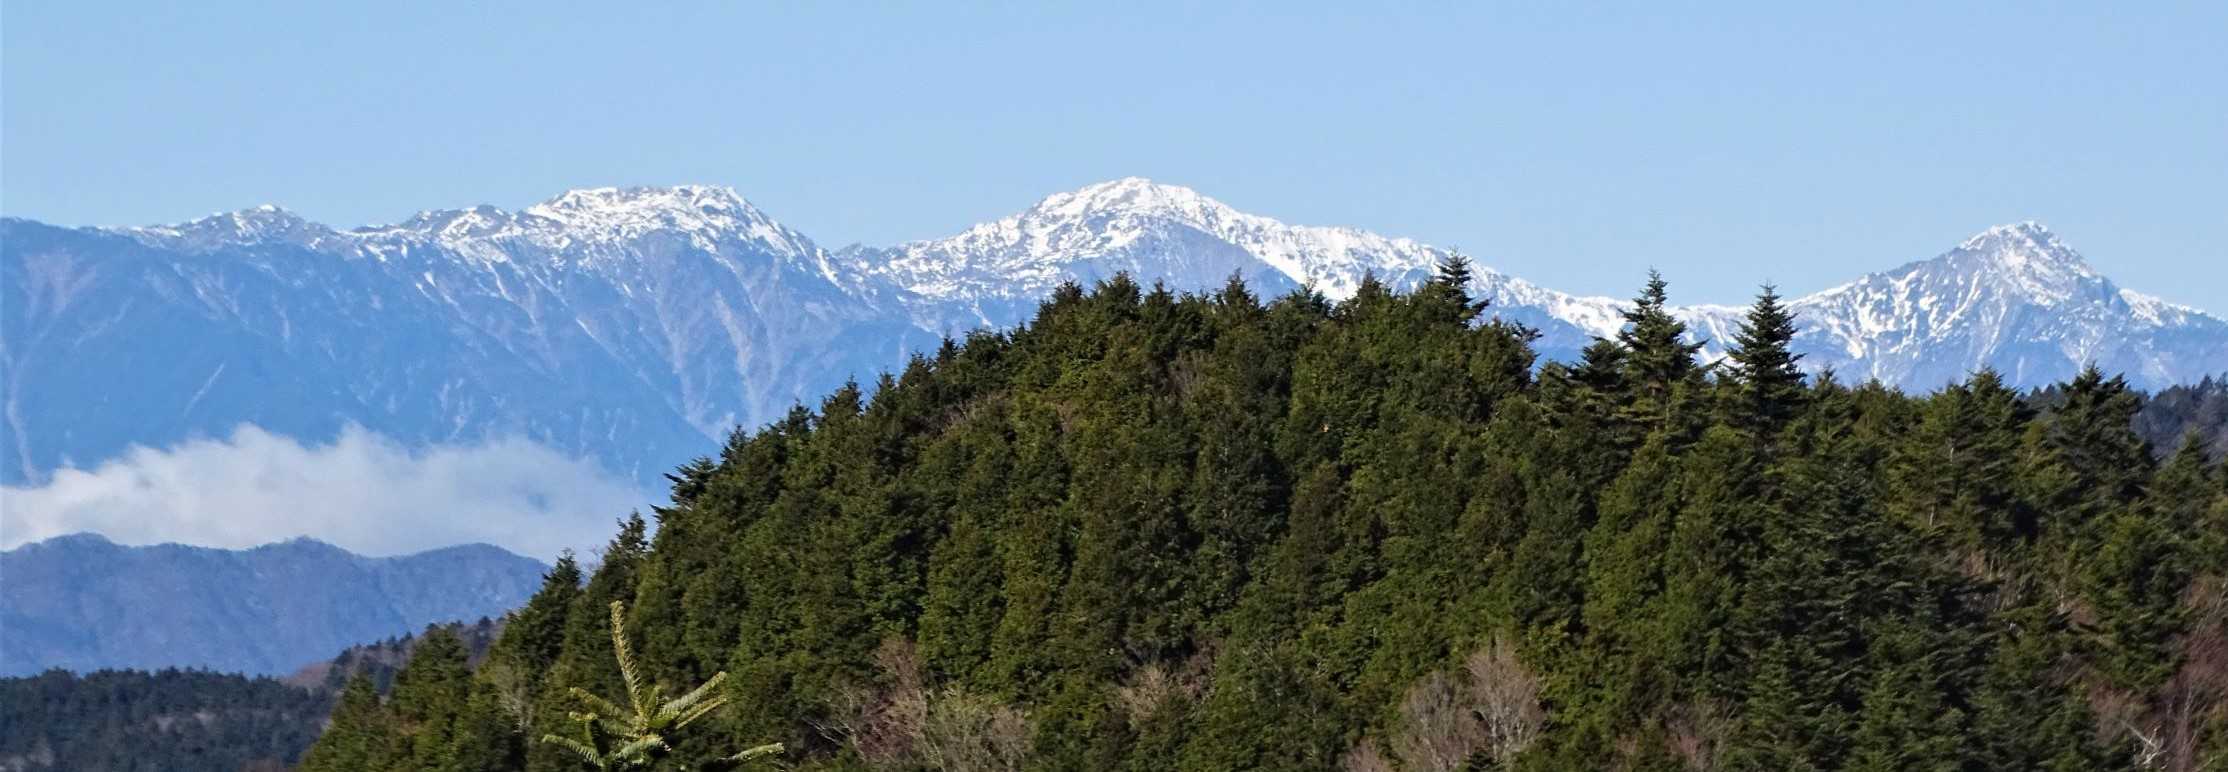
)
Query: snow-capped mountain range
[{"x": 639, "y": 325}]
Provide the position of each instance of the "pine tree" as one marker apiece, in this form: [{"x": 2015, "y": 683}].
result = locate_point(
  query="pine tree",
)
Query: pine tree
[
  {"x": 362, "y": 735},
  {"x": 1955, "y": 472},
  {"x": 1450, "y": 285},
  {"x": 1769, "y": 385},
  {"x": 1659, "y": 362},
  {"x": 959, "y": 618},
  {"x": 1625, "y": 581},
  {"x": 1775, "y": 732},
  {"x": 534, "y": 635},
  {"x": 2025, "y": 715},
  {"x": 493, "y": 731},
  {"x": 1710, "y": 556},
  {"x": 1828, "y": 572},
  {"x": 1269, "y": 710},
  {"x": 2136, "y": 577},
  {"x": 1238, "y": 391},
  {"x": 2182, "y": 498},
  {"x": 1907, "y": 721},
  {"x": 429, "y": 697},
  {"x": 2086, "y": 460},
  {"x": 581, "y": 662}
]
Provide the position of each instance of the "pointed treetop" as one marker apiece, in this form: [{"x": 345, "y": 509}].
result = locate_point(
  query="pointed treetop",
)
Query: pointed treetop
[
  {"x": 1764, "y": 363},
  {"x": 1452, "y": 280},
  {"x": 1655, "y": 341},
  {"x": 1454, "y": 271},
  {"x": 1655, "y": 294}
]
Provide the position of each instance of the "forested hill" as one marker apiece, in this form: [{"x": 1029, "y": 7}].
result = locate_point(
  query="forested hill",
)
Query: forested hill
[
  {"x": 1150, "y": 531},
  {"x": 174, "y": 720}
]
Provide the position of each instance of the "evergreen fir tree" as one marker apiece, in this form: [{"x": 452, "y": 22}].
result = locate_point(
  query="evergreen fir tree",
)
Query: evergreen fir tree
[
  {"x": 1955, "y": 473},
  {"x": 429, "y": 699},
  {"x": 1769, "y": 385},
  {"x": 2086, "y": 460},
  {"x": 2026, "y": 716},
  {"x": 2182, "y": 499},
  {"x": 2136, "y": 577},
  {"x": 1451, "y": 283},
  {"x": 1659, "y": 362},
  {"x": 361, "y": 736},
  {"x": 1907, "y": 721},
  {"x": 1625, "y": 582}
]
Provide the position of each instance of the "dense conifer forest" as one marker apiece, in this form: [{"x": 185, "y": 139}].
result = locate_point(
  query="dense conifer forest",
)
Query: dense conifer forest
[
  {"x": 1157, "y": 531},
  {"x": 130, "y": 721},
  {"x": 192, "y": 720}
]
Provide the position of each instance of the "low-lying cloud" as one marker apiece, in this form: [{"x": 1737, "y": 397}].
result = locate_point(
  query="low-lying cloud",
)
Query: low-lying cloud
[{"x": 362, "y": 492}]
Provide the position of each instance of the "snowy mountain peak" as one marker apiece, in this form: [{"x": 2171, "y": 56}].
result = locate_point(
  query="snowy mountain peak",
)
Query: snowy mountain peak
[
  {"x": 2013, "y": 297},
  {"x": 1135, "y": 195},
  {"x": 2023, "y": 259},
  {"x": 1136, "y": 225},
  {"x": 265, "y": 224},
  {"x": 2025, "y": 245},
  {"x": 266, "y": 218},
  {"x": 2028, "y": 230}
]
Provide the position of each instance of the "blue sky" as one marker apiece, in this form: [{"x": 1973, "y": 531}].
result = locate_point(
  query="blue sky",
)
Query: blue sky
[{"x": 1576, "y": 146}]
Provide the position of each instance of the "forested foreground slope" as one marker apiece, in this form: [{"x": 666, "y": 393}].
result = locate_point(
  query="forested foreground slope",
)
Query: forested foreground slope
[{"x": 1151, "y": 531}]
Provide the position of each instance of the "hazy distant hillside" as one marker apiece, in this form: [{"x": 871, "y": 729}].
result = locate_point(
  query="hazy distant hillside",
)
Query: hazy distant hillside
[{"x": 83, "y": 603}]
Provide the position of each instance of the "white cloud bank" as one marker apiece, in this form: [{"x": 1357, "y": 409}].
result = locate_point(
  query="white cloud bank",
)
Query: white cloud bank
[{"x": 362, "y": 492}]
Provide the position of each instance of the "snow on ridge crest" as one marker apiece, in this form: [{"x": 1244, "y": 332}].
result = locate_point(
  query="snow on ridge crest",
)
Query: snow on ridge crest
[
  {"x": 705, "y": 212},
  {"x": 2026, "y": 246},
  {"x": 1147, "y": 227},
  {"x": 598, "y": 222},
  {"x": 1115, "y": 218},
  {"x": 263, "y": 224}
]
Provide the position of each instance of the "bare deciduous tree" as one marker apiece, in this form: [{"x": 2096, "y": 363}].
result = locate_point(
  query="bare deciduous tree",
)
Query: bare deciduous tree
[
  {"x": 970, "y": 733},
  {"x": 1695, "y": 730},
  {"x": 1491, "y": 707},
  {"x": 901, "y": 723},
  {"x": 2201, "y": 681},
  {"x": 1508, "y": 699},
  {"x": 513, "y": 692},
  {"x": 1155, "y": 685},
  {"x": 1364, "y": 757},
  {"x": 1442, "y": 727}
]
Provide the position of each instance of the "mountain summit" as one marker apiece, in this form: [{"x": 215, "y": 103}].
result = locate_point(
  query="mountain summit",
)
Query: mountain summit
[
  {"x": 2013, "y": 297},
  {"x": 266, "y": 224},
  {"x": 995, "y": 272},
  {"x": 639, "y": 325}
]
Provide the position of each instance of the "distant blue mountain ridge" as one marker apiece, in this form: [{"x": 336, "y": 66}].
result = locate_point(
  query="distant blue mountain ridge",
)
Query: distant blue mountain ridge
[{"x": 81, "y": 602}]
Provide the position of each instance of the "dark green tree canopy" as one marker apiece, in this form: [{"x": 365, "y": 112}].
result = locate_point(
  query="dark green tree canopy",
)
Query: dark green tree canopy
[{"x": 1153, "y": 530}]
